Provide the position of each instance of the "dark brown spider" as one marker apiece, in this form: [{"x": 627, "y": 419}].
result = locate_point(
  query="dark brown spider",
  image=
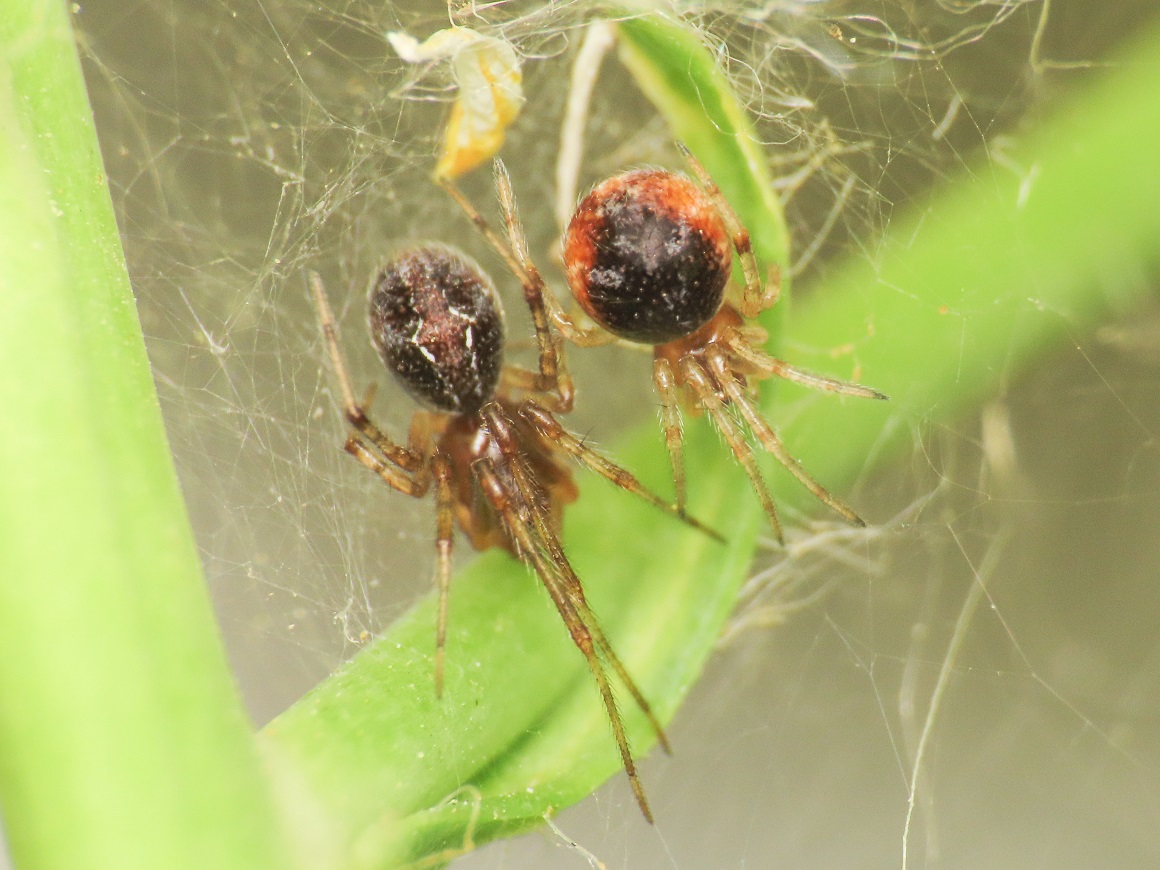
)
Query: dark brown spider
[
  {"x": 488, "y": 441},
  {"x": 647, "y": 255}
]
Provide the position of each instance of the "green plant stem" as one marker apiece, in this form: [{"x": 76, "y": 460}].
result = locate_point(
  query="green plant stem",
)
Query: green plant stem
[
  {"x": 982, "y": 279},
  {"x": 122, "y": 740}
]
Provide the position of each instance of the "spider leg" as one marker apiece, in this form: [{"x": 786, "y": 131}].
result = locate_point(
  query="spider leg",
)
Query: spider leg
[
  {"x": 516, "y": 379},
  {"x": 525, "y": 531},
  {"x": 549, "y": 427},
  {"x": 756, "y": 298},
  {"x": 413, "y": 484},
  {"x": 605, "y": 648},
  {"x": 666, "y": 385},
  {"x": 710, "y": 399},
  {"x": 407, "y": 469},
  {"x": 572, "y": 584},
  {"x": 354, "y": 412},
  {"x": 769, "y": 439},
  {"x": 741, "y": 348},
  {"x": 576, "y": 595},
  {"x": 444, "y": 533},
  {"x": 553, "y": 375},
  {"x": 568, "y": 324},
  {"x": 572, "y": 327}
]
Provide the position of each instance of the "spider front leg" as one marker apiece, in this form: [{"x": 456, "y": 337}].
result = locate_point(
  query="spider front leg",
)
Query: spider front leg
[
  {"x": 517, "y": 380},
  {"x": 591, "y": 335},
  {"x": 541, "y": 301},
  {"x": 534, "y": 291},
  {"x": 546, "y": 536},
  {"x": 356, "y": 415},
  {"x": 414, "y": 483},
  {"x": 409, "y": 470},
  {"x": 755, "y": 298},
  {"x": 572, "y": 327},
  {"x": 526, "y": 531},
  {"x": 515, "y": 500}
]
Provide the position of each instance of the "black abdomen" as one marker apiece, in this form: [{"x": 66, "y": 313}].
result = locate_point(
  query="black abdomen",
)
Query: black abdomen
[
  {"x": 647, "y": 257},
  {"x": 436, "y": 321}
]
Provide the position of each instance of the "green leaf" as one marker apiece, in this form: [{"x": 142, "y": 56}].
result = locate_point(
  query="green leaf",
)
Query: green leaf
[
  {"x": 122, "y": 741},
  {"x": 952, "y": 300}
]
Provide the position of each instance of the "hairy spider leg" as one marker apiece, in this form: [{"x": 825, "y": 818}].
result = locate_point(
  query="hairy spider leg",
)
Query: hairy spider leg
[
  {"x": 723, "y": 374},
  {"x": 666, "y": 385},
  {"x": 514, "y": 252},
  {"x": 709, "y": 398},
  {"x": 516, "y": 379},
  {"x": 755, "y": 298},
  {"x": 518, "y": 516},
  {"x": 575, "y": 590},
  {"x": 444, "y": 535},
  {"x": 501, "y": 428},
  {"x": 590, "y": 336},
  {"x": 408, "y": 458},
  {"x": 402, "y": 468},
  {"x": 553, "y": 376},
  {"x": 740, "y": 347},
  {"x": 548, "y": 426},
  {"x": 415, "y": 486},
  {"x": 414, "y": 482}
]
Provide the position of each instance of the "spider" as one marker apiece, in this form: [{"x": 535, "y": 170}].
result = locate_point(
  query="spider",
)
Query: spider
[
  {"x": 488, "y": 441},
  {"x": 647, "y": 256}
]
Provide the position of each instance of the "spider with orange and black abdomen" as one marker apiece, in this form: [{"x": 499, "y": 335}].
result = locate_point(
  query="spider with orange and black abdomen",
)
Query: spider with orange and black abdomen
[
  {"x": 488, "y": 441},
  {"x": 648, "y": 255}
]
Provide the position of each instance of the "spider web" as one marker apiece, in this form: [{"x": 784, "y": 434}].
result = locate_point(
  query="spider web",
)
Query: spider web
[{"x": 971, "y": 682}]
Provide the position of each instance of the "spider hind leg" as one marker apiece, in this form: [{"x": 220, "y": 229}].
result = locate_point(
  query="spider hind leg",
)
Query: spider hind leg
[
  {"x": 709, "y": 397},
  {"x": 765, "y": 434},
  {"x": 508, "y": 485},
  {"x": 544, "y": 562}
]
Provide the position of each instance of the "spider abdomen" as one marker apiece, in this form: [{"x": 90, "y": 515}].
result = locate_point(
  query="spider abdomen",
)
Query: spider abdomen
[
  {"x": 647, "y": 256},
  {"x": 436, "y": 321}
]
